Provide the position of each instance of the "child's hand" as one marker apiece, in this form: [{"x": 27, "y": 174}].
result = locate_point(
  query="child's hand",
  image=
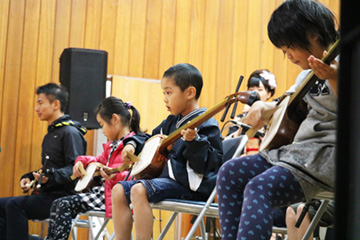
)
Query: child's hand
[
  {"x": 104, "y": 175},
  {"x": 259, "y": 114},
  {"x": 76, "y": 169},
  {"x": 168, "y": 148},
  {"x": 189, "y": 134},
  {"x": 124, "y": 154},
  {"x": 246, "y": 108},
  {"x": 322, "y": 70}
]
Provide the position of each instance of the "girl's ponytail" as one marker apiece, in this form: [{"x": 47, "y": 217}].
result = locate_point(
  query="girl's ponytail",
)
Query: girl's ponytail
[
  {"x": 135, "y": 120},
  {"x": 112, "y": 105}
]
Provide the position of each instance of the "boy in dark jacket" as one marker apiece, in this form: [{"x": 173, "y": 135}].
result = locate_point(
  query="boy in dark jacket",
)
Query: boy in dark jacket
[
  {"x": 60, "y": 147},
  {"x": 192, "y": 162}
]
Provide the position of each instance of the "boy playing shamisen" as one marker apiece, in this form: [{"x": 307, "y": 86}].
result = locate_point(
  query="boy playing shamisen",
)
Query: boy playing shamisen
[{"x": 192, "y": 162}]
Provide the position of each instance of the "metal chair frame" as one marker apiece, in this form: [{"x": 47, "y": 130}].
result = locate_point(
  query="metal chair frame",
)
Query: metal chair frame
[
  {"x": 200, "y": 208},
  {"x": 92, "y": 215},
  {"x": 325, "y": 198}
]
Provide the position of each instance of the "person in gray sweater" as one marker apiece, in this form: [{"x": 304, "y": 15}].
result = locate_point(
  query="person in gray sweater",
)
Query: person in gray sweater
[{"x": 250, "y": 187}]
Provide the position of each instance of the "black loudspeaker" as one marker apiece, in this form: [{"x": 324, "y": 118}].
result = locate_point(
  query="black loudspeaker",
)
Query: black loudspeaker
[{"x": 83, "y": 73}]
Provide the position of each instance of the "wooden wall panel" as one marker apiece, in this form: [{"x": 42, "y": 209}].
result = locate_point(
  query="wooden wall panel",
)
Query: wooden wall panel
[
  {"x": 197, "y": 23},
  {"x": 122, "y": 41},
  {"x": 238, "y": 63},
  {"x": 253, "y": 42},
  {"x": 77, "y": 23},
  {"x": 10, "y": 100},
  {"x": 223, "y": 79},
  {"x": 223, "y": 38},
  {"x": 182, "y": 31},
  {"x": 45, "y": 57},
  {"x": 61, "y": 34},
  {"x": 135, "y": 90},
  {"x": 92, "y": 24},
  {"x": 152, "y": 36},
  {"x": 108, "y": 30},
  {"x": 4, "y": 11},
  {"x": 137, "y": 40},
  {"x": 210, "y": 53},
  {"x": 266, "y": 48},
  {"x": 167, "y": 36},
  {"x": 27, "y": 85}
]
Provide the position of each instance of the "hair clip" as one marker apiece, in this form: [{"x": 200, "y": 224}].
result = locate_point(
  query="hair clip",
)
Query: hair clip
[
  {"x": 127, "y": 105},
  {"x": 270, "y": 78}
]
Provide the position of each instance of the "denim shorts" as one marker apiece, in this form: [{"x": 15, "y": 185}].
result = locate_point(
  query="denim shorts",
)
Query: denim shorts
[{"x": 159, "y": 189}]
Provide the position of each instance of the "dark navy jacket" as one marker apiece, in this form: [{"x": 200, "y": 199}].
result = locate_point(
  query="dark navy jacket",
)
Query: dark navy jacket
[
  {"x": 63, "y": 143},
  {"x": 194, "y": 164}
]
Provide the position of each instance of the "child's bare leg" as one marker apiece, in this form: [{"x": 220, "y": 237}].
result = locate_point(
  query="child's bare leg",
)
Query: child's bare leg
[
  {"x": 121, "y": 214},
  {"x": 304, "y": 224},
  {"x": 143, "y": 216},
  {"x": 290, "y": 223}
]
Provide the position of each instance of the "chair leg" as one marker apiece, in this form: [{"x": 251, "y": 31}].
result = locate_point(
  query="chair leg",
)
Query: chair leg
[
  {"x": 91, "y": 227},
  {"x": 201, "y": 215},
  {"x": 202, "y": 230},
  {"x": 167, "y": 226},
  {"x": 103, "y": 227},
  {"x": 42, "y": 229},
  {"x": 113, "y": 236},
  {"x": 316, "y": 219},
  {"x": 73, "y": 228},
  {"x": 73, "y": 233}
]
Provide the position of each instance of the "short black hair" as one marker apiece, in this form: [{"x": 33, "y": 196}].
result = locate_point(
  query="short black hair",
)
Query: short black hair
[
  {"x": 294, "y": 21},
  {"x": 186, "y": 75},
  {"x": 54, "y": 92}
]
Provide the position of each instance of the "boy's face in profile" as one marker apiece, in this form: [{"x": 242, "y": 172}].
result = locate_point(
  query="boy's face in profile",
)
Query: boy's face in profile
[
  {"x": 297, "y": 56},
  {"x": 300, "y": 56},
  {"x": 44, "y": 108},
  {"x": 176, "y": 101}
]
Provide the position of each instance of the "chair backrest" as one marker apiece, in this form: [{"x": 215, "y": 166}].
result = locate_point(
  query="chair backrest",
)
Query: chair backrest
[{"x": 230, "y": 146}]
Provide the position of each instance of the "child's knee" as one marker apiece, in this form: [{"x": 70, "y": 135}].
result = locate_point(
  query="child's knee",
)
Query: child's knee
[
  {"x": 290, "y": 214},
  {"x": 117, "y": 192},
  {"x": 300, "y": 209},
  {"x": 138, "y": 191}
]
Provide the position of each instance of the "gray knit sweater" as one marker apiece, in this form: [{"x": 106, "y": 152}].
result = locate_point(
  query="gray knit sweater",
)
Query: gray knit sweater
[{"x": 311, "y": 156}]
